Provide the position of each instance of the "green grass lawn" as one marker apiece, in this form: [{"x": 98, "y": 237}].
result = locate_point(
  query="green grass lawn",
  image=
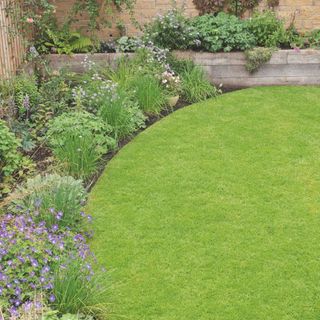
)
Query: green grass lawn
[{"x": 214, "y": 212}]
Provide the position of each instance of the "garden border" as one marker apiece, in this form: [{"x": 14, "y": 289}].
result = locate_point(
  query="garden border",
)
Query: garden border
[{"x": 286, "y": 67}]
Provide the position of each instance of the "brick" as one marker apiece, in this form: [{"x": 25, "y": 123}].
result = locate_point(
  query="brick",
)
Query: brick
[{"x": 306, "y": 13}]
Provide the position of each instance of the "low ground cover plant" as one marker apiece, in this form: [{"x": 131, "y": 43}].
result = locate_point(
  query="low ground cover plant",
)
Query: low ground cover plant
[
  {"x": 257, "y": 57},
  {"x": 31, "y": 253}
]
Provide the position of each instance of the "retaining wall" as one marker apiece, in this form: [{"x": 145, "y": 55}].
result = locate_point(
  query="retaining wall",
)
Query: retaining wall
[{"x": 286, "y": 67}]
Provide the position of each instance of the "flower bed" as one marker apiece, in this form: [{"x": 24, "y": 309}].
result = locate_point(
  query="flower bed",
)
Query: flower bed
[{"x": 61, "y": 126}]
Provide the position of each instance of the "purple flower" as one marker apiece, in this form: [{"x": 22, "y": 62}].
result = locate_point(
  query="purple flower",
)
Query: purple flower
[
  {"x": 59, "y": 215},
  {"x": 52, "y": 298}
]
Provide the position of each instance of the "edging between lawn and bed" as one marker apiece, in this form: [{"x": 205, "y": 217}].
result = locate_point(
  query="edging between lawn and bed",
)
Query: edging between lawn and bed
[{"x": 286, "y": 67}]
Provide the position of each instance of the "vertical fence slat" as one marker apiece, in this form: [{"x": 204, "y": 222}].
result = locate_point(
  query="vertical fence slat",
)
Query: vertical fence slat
[{"x": 11, "y": 47}]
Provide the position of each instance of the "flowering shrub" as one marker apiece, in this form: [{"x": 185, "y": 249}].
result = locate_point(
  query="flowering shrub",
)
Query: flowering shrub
[
  {"x": 29, "y": 253},
  {"x": 172, "y": 31}
]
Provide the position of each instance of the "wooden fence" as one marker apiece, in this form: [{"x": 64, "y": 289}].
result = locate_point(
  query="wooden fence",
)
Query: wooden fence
[{"x": 11, "y": 47}]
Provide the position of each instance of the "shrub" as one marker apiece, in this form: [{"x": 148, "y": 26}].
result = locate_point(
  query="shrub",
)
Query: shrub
[
  {"x": 171, "y": 31},
  {"x": 55, "y": 93},
  {"x": 267, "y": 29},
  {"x": 195, "y": 85},
  {"x": 257, "y": 57},
  {"x": 149, "y": 94},
  {"x": 42, "y": 194},
  {"x": 122, "y": 113},
  {"x": 78, "y": 141},
  {"x": 223, "y": 33}
]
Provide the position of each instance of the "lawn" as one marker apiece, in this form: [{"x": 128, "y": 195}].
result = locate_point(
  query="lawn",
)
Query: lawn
[{"x": 214, "y": 211}]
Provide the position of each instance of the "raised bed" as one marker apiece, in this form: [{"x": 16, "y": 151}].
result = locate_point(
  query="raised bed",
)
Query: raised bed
[{"x": 286, "y": 67}]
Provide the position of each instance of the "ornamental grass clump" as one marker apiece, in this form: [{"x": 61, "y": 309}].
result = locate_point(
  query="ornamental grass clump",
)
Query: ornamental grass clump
[
  {"x": 63, "y": 193},
  {"x": 122, "y": 113}
]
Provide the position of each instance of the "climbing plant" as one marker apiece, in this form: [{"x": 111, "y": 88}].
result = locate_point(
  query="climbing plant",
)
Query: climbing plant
[{"x": 33, "y": 18}]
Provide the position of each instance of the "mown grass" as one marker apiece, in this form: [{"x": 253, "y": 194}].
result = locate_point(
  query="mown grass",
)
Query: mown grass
[{"x": 214, "y": 212}]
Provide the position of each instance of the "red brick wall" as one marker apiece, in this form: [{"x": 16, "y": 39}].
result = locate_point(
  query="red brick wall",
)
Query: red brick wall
[{"x": 306, "y": 14}]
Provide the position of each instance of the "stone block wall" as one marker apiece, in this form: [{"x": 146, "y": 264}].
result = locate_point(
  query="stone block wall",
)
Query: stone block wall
[{"x": 304, "y": 13}]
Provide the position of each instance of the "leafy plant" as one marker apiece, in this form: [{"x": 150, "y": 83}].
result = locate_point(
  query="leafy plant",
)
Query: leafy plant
[
  {"x": 223, "y": 33},
  {"x": 171, "y": 31},
  {"x": 43, "y": 194},
  {"x": 267, "y": 29},
  {"x": 257, "y": 57},
  {"x": 12, "y": 163},
  {"x": 128, "y": 44},
  {"x": 78, "y": 141},
  {"x": 313, "y": 38},
  {"x": 64, "y": 41},
  {"x": 195, "y": 85},
  {"x": 26, "y": 96}
]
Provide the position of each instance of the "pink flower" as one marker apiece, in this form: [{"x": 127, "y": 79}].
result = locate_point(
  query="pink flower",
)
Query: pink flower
[{"x": 30, "y": 20}]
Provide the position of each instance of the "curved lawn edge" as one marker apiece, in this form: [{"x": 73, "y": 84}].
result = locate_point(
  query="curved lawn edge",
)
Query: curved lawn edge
[{"x": 178, "y": 219}]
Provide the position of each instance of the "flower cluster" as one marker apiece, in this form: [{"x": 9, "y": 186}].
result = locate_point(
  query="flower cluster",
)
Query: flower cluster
[
  {"x": 29, "y": 254},
  {"x": 93, "y": 92},
  {"x": 172, "y": 30},
  {"x": 171, "y": 81},
  {"x": 87, "y": 63}
]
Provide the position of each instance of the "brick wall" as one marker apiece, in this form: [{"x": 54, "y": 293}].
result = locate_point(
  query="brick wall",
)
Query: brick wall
[{"x": 304, "y": 13}]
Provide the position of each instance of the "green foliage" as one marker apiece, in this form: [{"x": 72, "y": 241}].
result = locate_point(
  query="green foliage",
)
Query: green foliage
[
  {"x": 313, "y": 38},
  {"x": 195, "y": 85},
  {"x": 38, "y": 18},
  {"x": 267, "y": 29},
  {"x": 10, "y": 157},
  {"x": 171, "y": 31},
  {"x": 78, "y": 141},
  {"x": 56, "y": 94},
  {"x": 223, "y": 33},
  {"x": 62, "y": 193},
  {"x": 257, "y": 57},
  {"x": 64, "y": 42},
  {"x": 12, "y": 164},
  {"x": 74, "y": 293},
  {"x": 128, "y": 44},
  {"x": 149, "y": 94},
  {"x": 26, "y": 96},
  {"x": 122, "y": 113}
]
